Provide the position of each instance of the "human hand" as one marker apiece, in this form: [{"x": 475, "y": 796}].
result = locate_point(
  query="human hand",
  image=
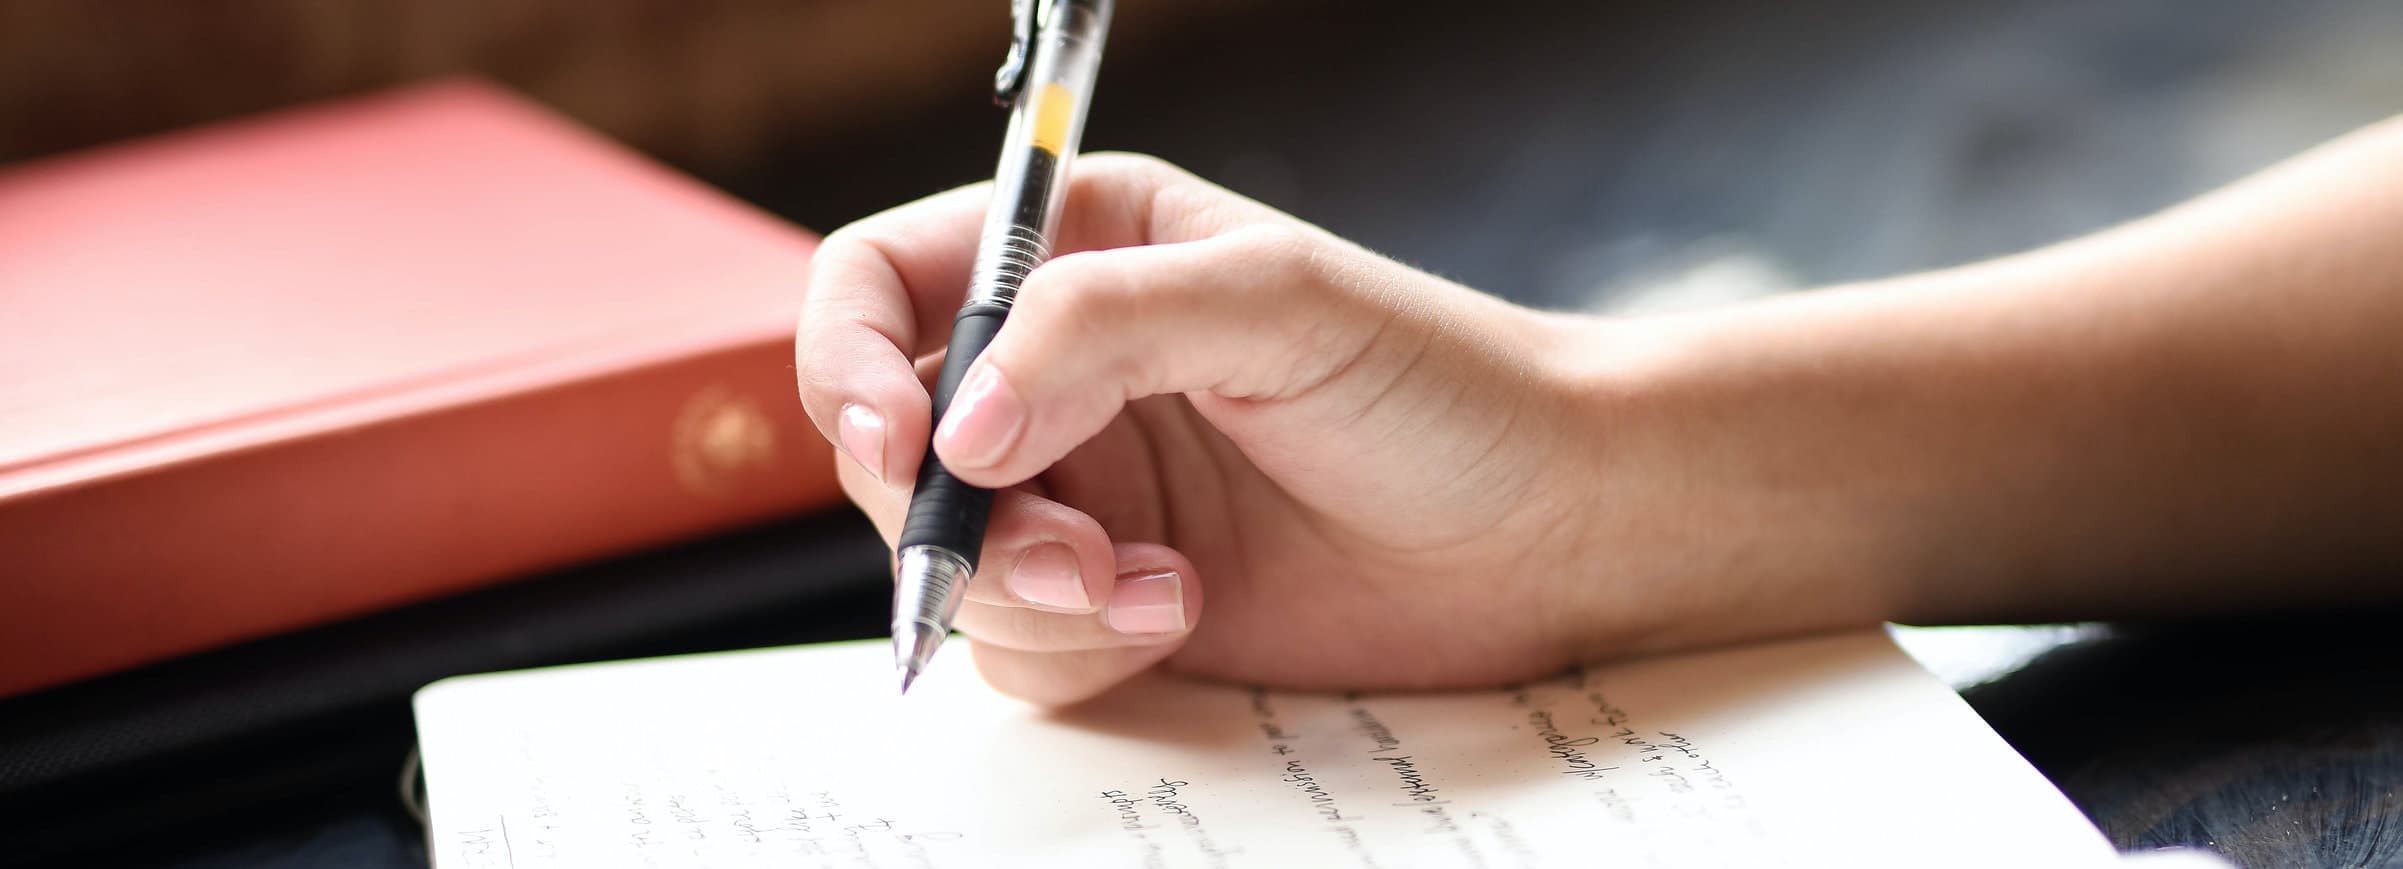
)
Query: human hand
[
  {"x": 1375, "y": 478},
  {"x": 1384, "y": 480}
]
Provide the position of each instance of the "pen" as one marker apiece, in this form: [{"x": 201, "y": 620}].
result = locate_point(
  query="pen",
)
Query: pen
[{"x": 1047, "y": 81}]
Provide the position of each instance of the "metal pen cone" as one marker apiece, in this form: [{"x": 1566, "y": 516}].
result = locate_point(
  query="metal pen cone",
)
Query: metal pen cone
[
  {"x": 928, "y": 594},
  {"x": 916, "y": 643}
]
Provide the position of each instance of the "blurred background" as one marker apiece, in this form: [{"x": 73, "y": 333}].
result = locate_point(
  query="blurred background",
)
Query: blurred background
[
  {"x": 1628, "y": 155},
  {"x": 1559, "y": 153}
]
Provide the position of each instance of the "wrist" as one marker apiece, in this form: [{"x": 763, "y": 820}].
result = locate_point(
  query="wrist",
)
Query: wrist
[{"x": 1736, "y": 489}]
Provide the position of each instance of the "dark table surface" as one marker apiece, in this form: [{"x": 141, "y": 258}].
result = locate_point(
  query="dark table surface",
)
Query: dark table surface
[
  {"x": 1579, "y": 154},
  {"x": 2277, "y": 741},
  {"x": 1575, "y": 155}
]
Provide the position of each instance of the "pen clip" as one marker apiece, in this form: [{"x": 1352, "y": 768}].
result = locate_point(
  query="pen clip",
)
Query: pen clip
[{"x": 1011, "y": 79}]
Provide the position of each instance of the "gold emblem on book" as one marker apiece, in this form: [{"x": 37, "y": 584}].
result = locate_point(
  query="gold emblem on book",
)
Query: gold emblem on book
[{"x": 720, "y": 436}]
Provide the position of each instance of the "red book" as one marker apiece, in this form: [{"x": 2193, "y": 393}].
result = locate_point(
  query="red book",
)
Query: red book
[{"x": 271, "y": 373}]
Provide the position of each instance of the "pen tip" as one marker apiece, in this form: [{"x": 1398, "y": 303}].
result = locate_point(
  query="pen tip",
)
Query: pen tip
[{"x": 908, "y": 675}]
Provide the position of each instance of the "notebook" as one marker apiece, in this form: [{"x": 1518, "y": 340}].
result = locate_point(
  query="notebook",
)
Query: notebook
[{"x": 1825, "y": 751}]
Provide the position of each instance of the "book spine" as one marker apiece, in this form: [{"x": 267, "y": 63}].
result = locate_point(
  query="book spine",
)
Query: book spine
[{"x": 206, "y": 553}]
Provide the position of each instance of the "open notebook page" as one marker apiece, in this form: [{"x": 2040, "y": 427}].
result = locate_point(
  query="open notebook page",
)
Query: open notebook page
[{"x": 1829, "y": 751}]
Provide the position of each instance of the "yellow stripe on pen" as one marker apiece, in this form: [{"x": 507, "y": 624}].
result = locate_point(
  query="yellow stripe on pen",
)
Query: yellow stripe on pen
[{"x": 1053, "y": 105}]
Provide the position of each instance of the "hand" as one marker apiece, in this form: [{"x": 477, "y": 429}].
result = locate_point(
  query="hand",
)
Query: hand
[
  {"x": 1372, "y": 477},
  {"x": 1378, "y": 479}
]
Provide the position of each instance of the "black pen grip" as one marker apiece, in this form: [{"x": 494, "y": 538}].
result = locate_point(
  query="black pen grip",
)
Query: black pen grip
[{"x": 943, "y": 511}]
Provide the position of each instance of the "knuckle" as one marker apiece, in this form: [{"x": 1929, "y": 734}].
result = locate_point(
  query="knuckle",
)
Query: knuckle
[
  {"x": 843, "y": 235},
  {"x": 1283, "y": 258},
  {"x": 1141, "y": 194},
  {"x": 862, "y": 248},
  {"x": 1273, "y": 242},
  {"x": 849, "y": 236}
]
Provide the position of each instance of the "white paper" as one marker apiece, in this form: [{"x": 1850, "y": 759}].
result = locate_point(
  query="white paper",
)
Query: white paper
[{"x": 1831, "y": 751}]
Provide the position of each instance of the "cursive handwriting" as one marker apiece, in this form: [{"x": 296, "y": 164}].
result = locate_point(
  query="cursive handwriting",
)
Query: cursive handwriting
[
  {"x": 1568, "y": 750},
  {"x": 1376, "y": 731}
]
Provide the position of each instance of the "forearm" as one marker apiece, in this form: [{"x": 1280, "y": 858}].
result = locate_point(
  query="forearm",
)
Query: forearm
[{"x": 2203, "y": 410}]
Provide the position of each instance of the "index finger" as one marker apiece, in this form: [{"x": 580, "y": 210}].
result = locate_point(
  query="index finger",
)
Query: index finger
[
  {"x": 869, "y": 284},
  {"x": 882, "y": 291}
]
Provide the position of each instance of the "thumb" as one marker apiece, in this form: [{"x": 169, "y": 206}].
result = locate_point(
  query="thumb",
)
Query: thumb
[{"x": 1262, "y": 313}]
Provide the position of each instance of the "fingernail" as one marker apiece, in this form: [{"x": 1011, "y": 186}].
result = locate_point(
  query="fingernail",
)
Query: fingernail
[
  {"x": 1047, "y": 575},
  {"x": 862, "y": 433},
  {"x": 1150, "y": 603},
  {"x": 982, "y": 422}
]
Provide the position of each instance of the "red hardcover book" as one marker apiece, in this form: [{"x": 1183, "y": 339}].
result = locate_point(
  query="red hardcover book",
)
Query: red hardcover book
[{"x": 276, "y": 372}]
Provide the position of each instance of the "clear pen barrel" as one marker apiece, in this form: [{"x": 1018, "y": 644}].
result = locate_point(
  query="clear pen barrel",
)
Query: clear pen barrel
[{"x": 1045, "y": 125}]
